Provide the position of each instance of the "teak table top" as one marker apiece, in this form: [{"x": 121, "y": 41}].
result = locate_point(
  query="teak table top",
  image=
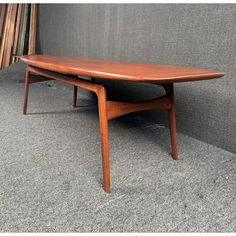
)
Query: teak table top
[{"x": 120, "y": 70}]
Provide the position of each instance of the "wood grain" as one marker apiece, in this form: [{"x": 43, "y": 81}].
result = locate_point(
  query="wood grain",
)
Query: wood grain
[
  {"x": 10, "y": 37},
  {"x": 17, "y": 31},
  {"x": 116, "y": 109},
  {"x": 20, "y": 46},
  {"x": 2, "y": 17},
  {"x": 32, "y": 30},
  {"x": 120, "y": 70},
  {"x": 5, "y": 34}
]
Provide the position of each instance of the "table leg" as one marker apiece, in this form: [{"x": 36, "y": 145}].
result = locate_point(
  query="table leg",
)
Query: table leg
[
  {"x": 75, "y": 96},
  {"x": 103, "y": 120},
  {"x": 172, "y": 123},
  {"x": 26, "y": 93}
]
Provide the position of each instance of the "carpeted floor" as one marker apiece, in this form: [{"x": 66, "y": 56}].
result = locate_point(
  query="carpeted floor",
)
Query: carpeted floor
[{"x": 51, "y": 179}]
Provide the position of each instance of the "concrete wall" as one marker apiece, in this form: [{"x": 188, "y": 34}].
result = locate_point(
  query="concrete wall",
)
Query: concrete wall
[{"x": 184, "y": 34}]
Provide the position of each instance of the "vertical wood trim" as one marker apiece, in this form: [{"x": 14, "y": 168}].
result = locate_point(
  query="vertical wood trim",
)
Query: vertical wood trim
[
  {"x": 2, "y": 18},
  {"x": 18, "y": 52},
  {"x": 10, "y": 36},
  {"x": 20, "y": 47},
  {"x": 5, "y": 32},
  {"x": 32, "y": 30},
  {"x": 17, "y": 30}
]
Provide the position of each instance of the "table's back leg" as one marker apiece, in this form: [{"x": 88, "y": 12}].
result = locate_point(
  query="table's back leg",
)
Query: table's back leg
[
  {"x": 103, "y": 120},
  {"x": 26, "y": 92},
  {"x": 173, "y": 134},
  {"x": 172, "y": 122},
  {"x": 75, "y": 96}
]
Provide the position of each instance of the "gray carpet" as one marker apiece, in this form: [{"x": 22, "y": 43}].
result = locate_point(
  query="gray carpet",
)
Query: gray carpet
[{"x": 51, "y": 179}]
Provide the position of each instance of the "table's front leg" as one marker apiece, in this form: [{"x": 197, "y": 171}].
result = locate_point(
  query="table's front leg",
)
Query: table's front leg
[{"x": 103, "y": 121}]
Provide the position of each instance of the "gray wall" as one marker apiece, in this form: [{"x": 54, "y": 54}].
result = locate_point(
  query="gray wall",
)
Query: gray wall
[{"x": 184, "y": 34}]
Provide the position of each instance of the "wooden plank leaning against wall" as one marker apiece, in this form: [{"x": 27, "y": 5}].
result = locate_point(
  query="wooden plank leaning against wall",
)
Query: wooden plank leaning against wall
[{"x": 17, "y": 32}]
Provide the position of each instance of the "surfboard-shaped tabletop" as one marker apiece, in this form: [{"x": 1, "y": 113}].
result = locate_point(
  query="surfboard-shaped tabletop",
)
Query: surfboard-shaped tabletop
[{"x": 120, "y": 70}]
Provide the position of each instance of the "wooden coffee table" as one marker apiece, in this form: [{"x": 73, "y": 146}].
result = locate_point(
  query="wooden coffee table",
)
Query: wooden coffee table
[{"x": 67, "y": 69}]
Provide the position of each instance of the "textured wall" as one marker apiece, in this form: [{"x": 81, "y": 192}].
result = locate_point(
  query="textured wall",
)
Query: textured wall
[{"x": 184, "y": 34}]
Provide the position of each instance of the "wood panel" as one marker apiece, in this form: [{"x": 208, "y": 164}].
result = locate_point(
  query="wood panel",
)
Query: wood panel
[
  {"x": 32, "y": 32},
  {"x": 10, "y": 37},
  {"x": 17, "y": 32},
  {"x": 5, "y": 34},
  {"x": 2, "y": 17},
  {"x": 20, "y": 46}
]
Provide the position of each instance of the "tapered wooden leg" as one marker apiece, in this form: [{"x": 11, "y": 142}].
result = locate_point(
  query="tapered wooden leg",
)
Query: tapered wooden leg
[
  {"x": 103, "y": 120},
  {"x": 172, "y": 124},
  {"x": 75, "y": 96},
  {"x": 26, "y": 93}
]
